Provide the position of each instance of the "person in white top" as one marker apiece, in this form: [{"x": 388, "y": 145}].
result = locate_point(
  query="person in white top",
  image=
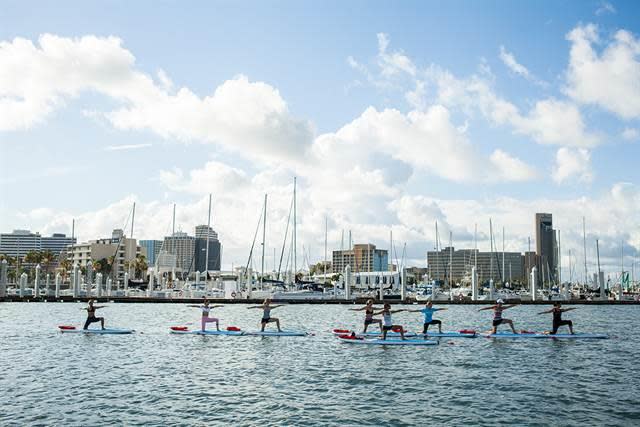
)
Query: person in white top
[
  {"x": 387, "y": 323},
  {"x": 206, "y": 308}
]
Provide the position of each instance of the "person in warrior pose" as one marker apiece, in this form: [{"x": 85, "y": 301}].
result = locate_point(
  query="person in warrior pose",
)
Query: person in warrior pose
[
  {"x": 498, "y": 308},
  {"x": 387, "y": 323},
  {"x": 368, "y": 315},
  {"x": 206, "y": 309},
  {"x": 91, "y": 315},
  {"x": 557, "y": 311},
  {"x": 428, "y": 311},
  {"x": 266, "y": 314}
]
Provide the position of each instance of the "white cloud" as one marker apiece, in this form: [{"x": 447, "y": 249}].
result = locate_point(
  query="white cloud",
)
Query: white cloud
[
  {"x": 604, "y": 8},
  {"x": 510, "y": 61},
  {"x": 243, "y": 116},
  {"x": 126, "y": 147},
  {"x": 608, "y": 79},
  {"x": 611, "y": 217},
  {"x": 508, "y": 168},
  {"x": 630, "y": 134},
  {"x": 572, "y": 163},
  {"x": 394, "y": 62}
]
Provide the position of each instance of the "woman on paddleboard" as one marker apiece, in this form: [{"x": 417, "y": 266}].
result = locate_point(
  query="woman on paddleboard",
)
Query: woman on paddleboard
[
  {"x": 368, "y": 315},
  {"x": 206, "y": 309},
  {"x": 497, "y": 315},
  {"x": 387, "y": 323},
  {"x": 266, "y": 314},
  {"x": 91, "y": 315},
  {"x": 428, "y": 311},
  {"x": 557, "y": 318}
]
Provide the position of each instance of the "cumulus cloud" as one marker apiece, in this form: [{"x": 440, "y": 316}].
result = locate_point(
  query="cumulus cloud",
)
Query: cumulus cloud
[
  {"x": 508, "y": 168},
  {"x": 630, "y": 134},
  {"x": 572, "y": 163},
  {"x": 412, "y": 218},
  {"x": 608, "y": 78},
  {"x": 605, "y": 8},
  {"x": 240, "y": 115}
]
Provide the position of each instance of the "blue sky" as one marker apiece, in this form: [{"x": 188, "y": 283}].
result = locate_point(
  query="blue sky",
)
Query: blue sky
[{"x": 325, "y": 62}]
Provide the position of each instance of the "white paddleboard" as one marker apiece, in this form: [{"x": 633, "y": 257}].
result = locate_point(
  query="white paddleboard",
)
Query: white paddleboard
[
  {"x": 278, "y": 334},
  {"x": 449, "y": 335},
  {"x": 199, "y": 332},
  {"x": 366, "y": 341},
  {"x": 97, "y": 331},
  {"x": 542, "y": 336}
]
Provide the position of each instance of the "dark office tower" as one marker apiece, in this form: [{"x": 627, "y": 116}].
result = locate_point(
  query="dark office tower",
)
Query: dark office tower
[{"x": 546, "y": 247}]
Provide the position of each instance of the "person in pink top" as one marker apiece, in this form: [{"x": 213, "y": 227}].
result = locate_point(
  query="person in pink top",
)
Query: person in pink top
[{"x": 206, "y": 309}]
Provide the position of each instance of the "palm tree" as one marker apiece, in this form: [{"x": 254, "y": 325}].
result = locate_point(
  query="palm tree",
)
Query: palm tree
[
  {"x": 65, "y": 265},
  {"x": 48, "y": 258},
  {"x": 33, "y": 258},
  {"x": 140, "y": 265}
]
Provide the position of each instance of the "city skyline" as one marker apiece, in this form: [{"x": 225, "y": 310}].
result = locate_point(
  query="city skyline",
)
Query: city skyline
[{"x": 386, "y": 126}]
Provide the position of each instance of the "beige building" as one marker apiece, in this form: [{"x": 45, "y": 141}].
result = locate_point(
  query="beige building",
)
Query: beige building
[
  {"x": 362, "y": 258},
  {"x": 118, "y": 246}
]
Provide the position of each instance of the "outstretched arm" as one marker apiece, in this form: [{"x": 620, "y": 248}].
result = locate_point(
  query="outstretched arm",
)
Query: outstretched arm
[
  {"x": 217, "y": 306},
  {"x": 357, "y": 309},
  {"x": 504, "y": 307},
  {"x": 194, "y": 306},
  {"x": 569, "y": 309},
  {"x": 487, "y": 308},
  {"x": 398, "y": 311},
  {"x": 276, "y": 306},
  {"x": 255, "y": 306},
  {"x": 545, "y": 312},
  {"x": 441, "y": 309}
]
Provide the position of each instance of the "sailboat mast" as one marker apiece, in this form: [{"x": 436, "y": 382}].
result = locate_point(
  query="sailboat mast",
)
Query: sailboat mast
[
  {"x": 450, "y": 265},
  {"x": 503, "y": 276},
  {"x": 437, "y": 255},
  {"x": 326, "y": 228},
  {"x": 133, "y": 217},
  {"x": 295, "y": 221},
  {"x": 559, "y": 260},
  {"x": 206, "y": 257},
  {"x": 264, "y": 233},
  {"x": 475, "y": 246},
  {"x": 173, "y": 228},
  {"x": 584, "y": 241},
  {"x": 491, "y": 240}
]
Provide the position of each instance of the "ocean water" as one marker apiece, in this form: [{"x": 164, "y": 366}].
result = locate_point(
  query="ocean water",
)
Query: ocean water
[{"x": 154, "y": 378}]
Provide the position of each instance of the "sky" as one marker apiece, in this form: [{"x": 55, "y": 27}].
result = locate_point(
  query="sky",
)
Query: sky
[{"x": 392, "y": 116}]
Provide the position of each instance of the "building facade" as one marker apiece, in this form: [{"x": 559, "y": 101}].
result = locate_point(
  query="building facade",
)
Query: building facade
[
  {"x": 215, "y": 249},
  {"x": 183, "y": 247},
  {"x": 546, "y": 247},
  {"x": 121, "y": 248},
  {"x": 19, "y": 242},
  {"x": 361, "y": 258},
  {"x": 499, "y": 266},
  {"x": 153, "y": 249}
]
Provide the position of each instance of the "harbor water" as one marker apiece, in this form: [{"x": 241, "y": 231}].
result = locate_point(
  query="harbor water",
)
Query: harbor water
[{"x": 154, "y": 378}]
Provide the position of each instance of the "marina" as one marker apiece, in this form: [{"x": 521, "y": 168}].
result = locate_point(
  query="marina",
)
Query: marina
[{"x": 310, "y": 377}]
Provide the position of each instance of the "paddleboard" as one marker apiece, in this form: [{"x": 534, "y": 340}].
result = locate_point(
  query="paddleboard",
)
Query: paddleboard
[
  {"x": 542, "y": 336},
  {"x": 372, "y": 334},
  {"x": 199, "y": 332},
  {"x": 367, "y": 341},
  {"x": 278, "y": 334},
  {"x": 449, "y": 335},
  {"x": 96, "y": 331}
]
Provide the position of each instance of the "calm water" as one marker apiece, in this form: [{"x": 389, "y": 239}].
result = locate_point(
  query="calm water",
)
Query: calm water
[{"x": 153, "y": 378}]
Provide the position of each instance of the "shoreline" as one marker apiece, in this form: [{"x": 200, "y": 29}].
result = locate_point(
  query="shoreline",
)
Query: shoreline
[{"x": 357, "y": 301}]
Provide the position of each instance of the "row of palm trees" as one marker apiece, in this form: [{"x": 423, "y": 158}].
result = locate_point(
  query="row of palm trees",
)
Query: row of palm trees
[{"x": 47, "y": 261}]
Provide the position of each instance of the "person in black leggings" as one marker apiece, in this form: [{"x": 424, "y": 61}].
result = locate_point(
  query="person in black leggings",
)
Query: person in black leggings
[
  {"x": 557, "y": 318},
  {"x": 91, "y": 315}
]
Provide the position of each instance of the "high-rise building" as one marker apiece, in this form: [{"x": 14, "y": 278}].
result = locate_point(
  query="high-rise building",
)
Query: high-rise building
[
  {"x": 183, "y": 247},
  {"x": 215, "y": 249},
  {"x": 19, "y": 242},
  {"x": 546, "y": 247},
  {"x": 153, "y": 249},
  {"x": 361, "y": 258}
]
